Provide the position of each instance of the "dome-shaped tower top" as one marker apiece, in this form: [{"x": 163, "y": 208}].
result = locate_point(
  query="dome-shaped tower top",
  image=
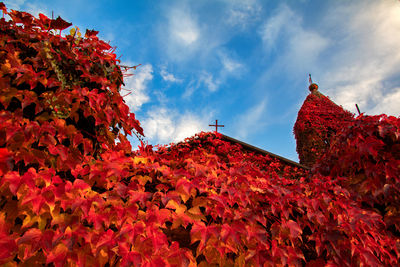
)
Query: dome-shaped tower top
[
  {"x": 313, "y": 87},
  {"x": 318, "y": 120}
]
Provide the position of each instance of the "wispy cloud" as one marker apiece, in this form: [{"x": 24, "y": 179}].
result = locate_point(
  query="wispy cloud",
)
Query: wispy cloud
[
  {"x": 14, "y": 4},
  {"x": 252, "y": 120},
  {"x": 274, "y": 26},
  {"x": 205, "y": 80},
  {"x": 183, "y": 27},
  {"x": 388, "y": 104},
  {"x": 190, "y": 89},
  {"x": 209, "y": 81},
  {"x": 353, "y": 50},
  {"x": 189, "y": 35},
  {"x": 243, "y": 12},
  {"x": 180, "y": 35},
  {"x": 229, "y": 65},
  {"x": 33, "y": 8},
  {"x": 136, "y": 86},
  {"x": 164, "y": 125},
  {"x": 300, "y": 47},
  {"x": 364, "y": 67},
  {"x": 169, "y": 77},
  {"x": 36, "y": 9}
]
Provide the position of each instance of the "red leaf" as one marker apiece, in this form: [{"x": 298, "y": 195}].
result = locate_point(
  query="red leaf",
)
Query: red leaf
[
  {"x": 59, "y": 24},
  {"x": 316, "y": 263},
  {"x": 80, "y": 184},
  {"x": 57, "y": 255},
  {"x": 44, "y": 20},
  {"x": 21, "y": 17},
  {"x": 8, "y": 246},
  {"x": 91, "y": 33},
  {"x": 5, "y": 161},
  {"x": 32, "y": 236},
  {"x": 60, "y": 150},
  {"x": 294, "y": 228},
  {"x": 121, "y": 190},
  {"x": 3, "y": 8}
]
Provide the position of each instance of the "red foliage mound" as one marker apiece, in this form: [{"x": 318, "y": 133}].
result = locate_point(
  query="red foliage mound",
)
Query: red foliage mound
[
  {"x": 58, "y": 93},
  {"x": 275, "y": 214},
  {"x": 71, "y": 195},
  {"x": 318, "y": 120},
  {"x": 365, "y": 159}
]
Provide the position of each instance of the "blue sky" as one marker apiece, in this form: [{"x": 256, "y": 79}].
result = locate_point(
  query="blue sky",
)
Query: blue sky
[{"x": 245, "y": 63}]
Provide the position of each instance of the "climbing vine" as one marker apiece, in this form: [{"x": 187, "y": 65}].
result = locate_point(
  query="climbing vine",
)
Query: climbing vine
[
  {"x": 72, "y": 191},
  {"x": 318, "y": 121}
]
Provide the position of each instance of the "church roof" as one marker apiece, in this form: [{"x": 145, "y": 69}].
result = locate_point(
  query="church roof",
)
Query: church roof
[{"x": 262, "y": 151}]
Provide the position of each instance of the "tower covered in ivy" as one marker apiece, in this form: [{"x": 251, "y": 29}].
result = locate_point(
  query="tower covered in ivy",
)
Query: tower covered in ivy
[{"x": 318, "y": 120}]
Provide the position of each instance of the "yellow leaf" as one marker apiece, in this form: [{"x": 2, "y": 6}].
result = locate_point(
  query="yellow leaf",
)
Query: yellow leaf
[
  {"x": 256, "y": 189},
  {"x": 138, "y": 160},
  {"x": 195, "y": 211},
  {"x": 196, "y": 214},
  {"x": 42, "y": 221},
  {"x": 240, "y": 261},
  {"x": 28, "y": 221},
  {"x": 184, "y": 196},
  {"x": 143, "y": 179},
  {"x": 179, "y": 209},
  {"x": 141, "y": 215},
  {"x": 176, "y": 223},
  {"x": 200, "y": 201},
  {"x": 72, "y": 31},
  {"x": 103, "y": 257}
]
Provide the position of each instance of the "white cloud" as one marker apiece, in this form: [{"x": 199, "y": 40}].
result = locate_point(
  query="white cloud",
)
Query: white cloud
[
  {"x": 137, "y": 85},
  {"x": 36, "y": 9},
  {"x": 209, "y": 81},
  {"x": 169, "y": 77},
  {"x": 190, "y": 89},
  {"x": 299, "y": 48},
  {"x": 183, "y": 27},
  {"x": 32, "y": 8},
  {"x": 190, "y": 33},
  {"x": 365, "y": 64},
  {"x": 164, "y": 125},
  {"x": 273, "y": 27},
  {"x": 388, "y": 104},
  {"x": 252, "y": 120},
  {"x": 188, "y": 125},
  {"x": 305, "y": 48},
  {"x": 159, "y": 125},
  {"x": 14, "y": 4},
  {"x": 181, "y": 36},
  {"x": 242, "y": 12},
  {"x": 229, "y": 65},
  {"x": 203, "y": 80},
  {"x": 353, "y": 50}
]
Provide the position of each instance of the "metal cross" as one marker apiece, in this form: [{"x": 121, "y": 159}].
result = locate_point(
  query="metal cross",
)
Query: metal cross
[{"x": 216, "y": 126}]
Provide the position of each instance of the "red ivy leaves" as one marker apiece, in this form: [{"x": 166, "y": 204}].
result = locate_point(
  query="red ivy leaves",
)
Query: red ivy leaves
[
  {"x": 91, "y": 33},
  {"x": 367, "y": 154},
  {"x": 318, "y": 120},
  {"x": 3, "y": 7},
  {"x": 8, "y": 245},
  {"x": 69, "y": 194},
  {"x": 59, "y": 24},
  {"x": 5, "y": 161}
]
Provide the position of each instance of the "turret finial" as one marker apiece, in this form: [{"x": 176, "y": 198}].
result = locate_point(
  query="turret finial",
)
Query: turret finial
[{"x": 313, "y": 86}]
